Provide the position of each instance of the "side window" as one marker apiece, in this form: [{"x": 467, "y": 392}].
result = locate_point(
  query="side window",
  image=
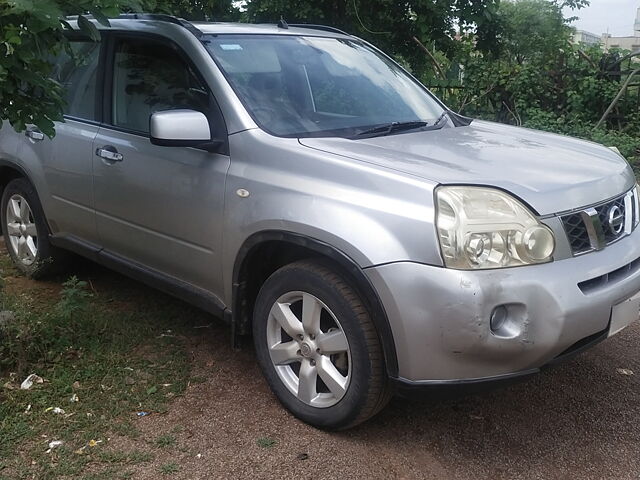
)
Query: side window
[
  {"x": 77, "y": 74},
  {"x": 150, "y": 76}
]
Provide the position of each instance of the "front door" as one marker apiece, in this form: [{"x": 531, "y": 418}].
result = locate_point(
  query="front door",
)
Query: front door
[{"x": 159, "y": 207}]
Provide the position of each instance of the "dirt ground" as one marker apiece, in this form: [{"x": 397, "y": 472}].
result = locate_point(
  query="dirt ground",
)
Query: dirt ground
[{"x": 577, "y": 421}]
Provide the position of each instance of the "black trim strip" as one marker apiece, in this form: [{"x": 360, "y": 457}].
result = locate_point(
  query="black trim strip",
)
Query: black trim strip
[
  {"x": 196, "y": 296},
  {"x": 454, "y": 388},
  {"x": 241, "y": 324}
]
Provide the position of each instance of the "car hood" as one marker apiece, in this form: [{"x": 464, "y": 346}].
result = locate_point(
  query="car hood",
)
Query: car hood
[{"x": 552, "y": 173}]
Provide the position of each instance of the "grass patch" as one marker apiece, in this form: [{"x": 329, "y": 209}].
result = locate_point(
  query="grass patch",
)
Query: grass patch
[
  {"x": 266, "y": 442},
  {"x": 114, "y": 351},
  {"x": 169, "y": 468},
  {"x": 125, "y": 458},
  {"x": 164, "y": 441}
]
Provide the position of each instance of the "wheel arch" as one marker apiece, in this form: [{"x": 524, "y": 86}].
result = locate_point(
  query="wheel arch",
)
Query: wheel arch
[{"x": 280, "y": 248}]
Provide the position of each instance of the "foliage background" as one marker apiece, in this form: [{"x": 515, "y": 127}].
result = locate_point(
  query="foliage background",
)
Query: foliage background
[{"x": 505, "y": 60}]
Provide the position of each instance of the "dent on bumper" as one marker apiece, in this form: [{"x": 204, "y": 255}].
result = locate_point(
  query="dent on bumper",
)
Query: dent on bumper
[{"x": 440, "y": 317}]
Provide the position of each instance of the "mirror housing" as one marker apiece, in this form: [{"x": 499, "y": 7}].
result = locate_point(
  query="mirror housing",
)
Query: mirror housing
[{"x": 180, "y": 128}]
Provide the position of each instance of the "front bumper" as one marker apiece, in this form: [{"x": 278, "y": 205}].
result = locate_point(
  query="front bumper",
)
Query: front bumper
[{"x": 440, "y": 317}]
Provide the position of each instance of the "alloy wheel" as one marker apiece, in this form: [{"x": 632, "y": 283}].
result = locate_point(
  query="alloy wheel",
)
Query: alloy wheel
[
  {"x": 21, "y": 228},
  {"x": 309, "y": 349}
]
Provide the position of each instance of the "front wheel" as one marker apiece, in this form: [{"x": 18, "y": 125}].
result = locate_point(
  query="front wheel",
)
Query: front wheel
[{"x": 318, "y": 347}]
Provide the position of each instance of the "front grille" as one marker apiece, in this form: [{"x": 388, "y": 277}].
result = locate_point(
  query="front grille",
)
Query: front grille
[
  {"x": 603, "y": 213},
  {"x": 595, "y": 227},
  {"x": 577, "y": 233}
]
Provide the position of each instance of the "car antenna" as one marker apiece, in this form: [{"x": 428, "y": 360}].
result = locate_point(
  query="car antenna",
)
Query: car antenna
[{"x": 282, "y": 23}]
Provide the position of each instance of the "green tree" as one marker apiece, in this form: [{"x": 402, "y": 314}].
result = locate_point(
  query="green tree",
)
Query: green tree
[
  {"x": 533, "y": 65},
  {"x": 32, "y": 33},
  {"x": 391, "y": 24}
]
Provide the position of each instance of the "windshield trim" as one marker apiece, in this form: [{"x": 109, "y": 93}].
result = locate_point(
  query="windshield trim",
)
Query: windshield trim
[{"x": 318, "y": 133}]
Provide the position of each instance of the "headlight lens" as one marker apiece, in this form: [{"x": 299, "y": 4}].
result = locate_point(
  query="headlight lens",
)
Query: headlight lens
[{"x": 483, "y": 228}]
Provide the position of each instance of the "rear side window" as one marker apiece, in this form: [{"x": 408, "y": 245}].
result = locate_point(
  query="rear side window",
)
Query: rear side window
[
  {"x": 78, "y": 75},
  {"x": 150, "y": 76}
]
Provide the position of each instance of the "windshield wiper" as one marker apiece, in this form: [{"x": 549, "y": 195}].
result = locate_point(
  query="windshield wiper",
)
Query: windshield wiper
[
  {"x": 388, "y": 128},
  {"x": 392, "y": 127}
]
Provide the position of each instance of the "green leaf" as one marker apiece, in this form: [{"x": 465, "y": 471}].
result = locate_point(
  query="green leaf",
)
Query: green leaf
[
  {"x": 135, "y": 5},
  {"x": 89, "y": 28},
  {"x": 152, "y": 390},
  {"x": 100, "y": 16}
]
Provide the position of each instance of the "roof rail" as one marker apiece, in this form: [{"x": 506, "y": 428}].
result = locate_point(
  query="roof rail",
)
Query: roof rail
[
  {"x": 161, "y": 17},
  {"x": 324, "y": 28}
]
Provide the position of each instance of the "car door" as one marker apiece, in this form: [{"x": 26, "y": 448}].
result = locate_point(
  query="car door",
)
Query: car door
[
  {"x": 159, "y": 208},
  {"x": 66, "y": 160}
]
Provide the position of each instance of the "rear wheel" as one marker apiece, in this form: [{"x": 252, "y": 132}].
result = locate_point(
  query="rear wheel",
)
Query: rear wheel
[
  {"x": 25, "y": 231},
  {"x": 318, "y": 348}
]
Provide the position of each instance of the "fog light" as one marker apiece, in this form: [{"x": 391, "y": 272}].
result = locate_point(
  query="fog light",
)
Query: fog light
[{"x": 498, "y": 318}]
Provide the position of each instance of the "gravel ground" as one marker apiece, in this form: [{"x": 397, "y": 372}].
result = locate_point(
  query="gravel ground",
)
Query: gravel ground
[{"x": 577, "y": 421}]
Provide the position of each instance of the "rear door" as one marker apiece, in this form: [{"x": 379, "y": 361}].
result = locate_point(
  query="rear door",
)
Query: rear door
[
  {"x": 61, "y": 167},
  {"x": 159, "y": 207}
]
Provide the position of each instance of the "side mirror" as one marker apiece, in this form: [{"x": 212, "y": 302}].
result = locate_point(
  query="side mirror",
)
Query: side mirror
[{"x": 179, "y": 128}]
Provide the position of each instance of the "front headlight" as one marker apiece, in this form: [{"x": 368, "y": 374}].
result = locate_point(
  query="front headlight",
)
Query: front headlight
[{"x": 483, "y": 228}]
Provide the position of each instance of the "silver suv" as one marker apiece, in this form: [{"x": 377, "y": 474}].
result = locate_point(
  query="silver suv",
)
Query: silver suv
[{"x": 298, "y": 183}]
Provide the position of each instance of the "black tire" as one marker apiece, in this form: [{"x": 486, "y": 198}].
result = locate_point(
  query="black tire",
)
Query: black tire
[
  {"x": 48, "y": 259},
  {"x": 368, "y": 388}
]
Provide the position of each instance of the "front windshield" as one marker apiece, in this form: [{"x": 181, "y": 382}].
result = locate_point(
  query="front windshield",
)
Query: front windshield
[{"x": 296, "y": 86}]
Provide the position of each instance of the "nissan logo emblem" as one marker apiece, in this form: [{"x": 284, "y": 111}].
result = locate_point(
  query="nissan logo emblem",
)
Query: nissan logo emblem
[{"x": 615, "y": 218}]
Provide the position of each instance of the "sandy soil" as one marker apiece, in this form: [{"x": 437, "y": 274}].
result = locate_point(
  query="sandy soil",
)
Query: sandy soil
[{"x": 579, "y": 420}]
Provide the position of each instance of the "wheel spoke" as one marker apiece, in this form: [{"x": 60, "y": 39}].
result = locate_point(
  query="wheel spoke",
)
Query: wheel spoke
[
  {"x": 331, "y": 377},
  {"x": 24, "y": 211},
  {"x": 307, "y": 382},
  {"x": 22, "y": 248},
  {"x": 287, "y": 319},
  {"x": 13, "y": 229},
  {"x": 31, "y": 230},
  {"x": 285, "y": 353},
  {"x": 332, "y": 342},
  {"x": 311, "y": 310},
  {"x": 14, "y": 209},
  {"x": 31, "y": 249}
]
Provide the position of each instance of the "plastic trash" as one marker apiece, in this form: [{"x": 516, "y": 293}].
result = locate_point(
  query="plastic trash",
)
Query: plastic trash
[
  {"x": 29, "y": 381},
  {"x": 143, "y": 414},
  {"x": 74, "y": 398},
  {"x": 624, "y": 371},
  {"x": 54, "y": 444},
  {"x": 56, "y": 410}
]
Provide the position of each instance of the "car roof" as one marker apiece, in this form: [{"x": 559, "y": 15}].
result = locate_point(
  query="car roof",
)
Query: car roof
[{"x": 133, "y": 21}]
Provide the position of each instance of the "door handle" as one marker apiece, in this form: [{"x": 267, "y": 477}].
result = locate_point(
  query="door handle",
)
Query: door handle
[
  {"x": 109, "y": 153},
  {"x": 35, "y": 134}
]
